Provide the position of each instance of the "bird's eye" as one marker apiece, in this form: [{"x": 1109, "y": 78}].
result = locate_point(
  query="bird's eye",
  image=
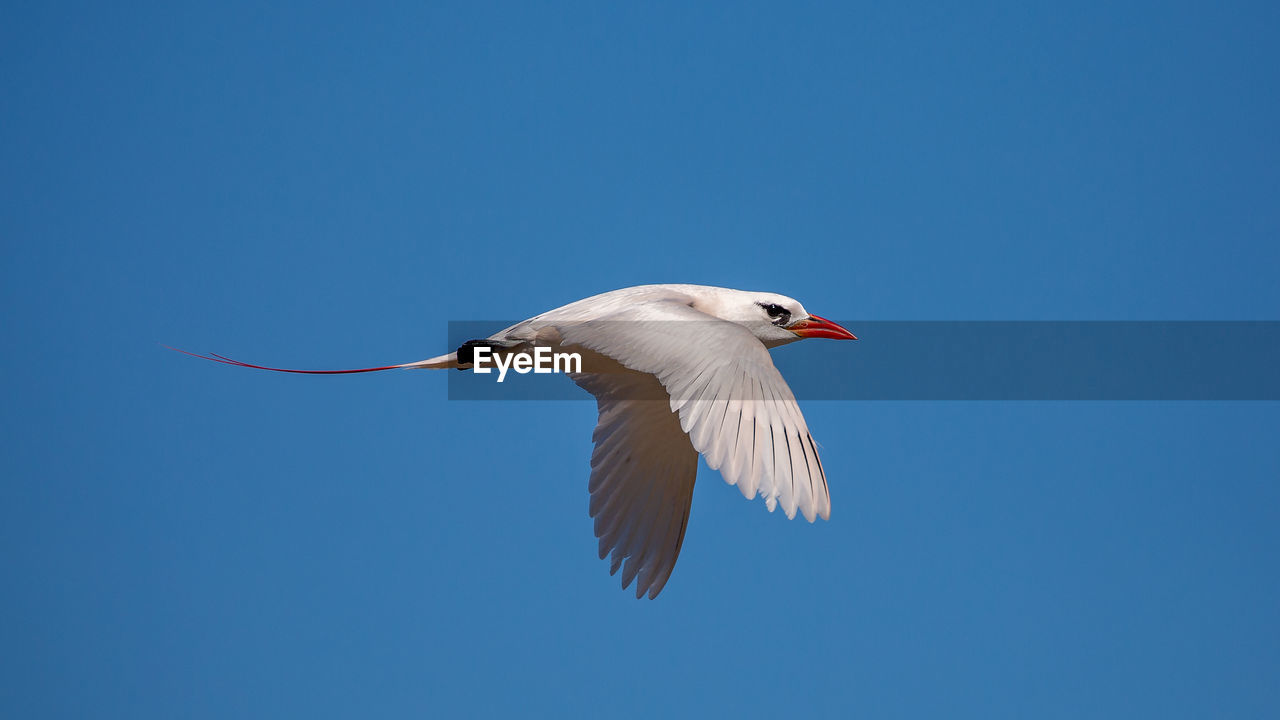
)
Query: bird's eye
[{"x": 776, "y": 312}]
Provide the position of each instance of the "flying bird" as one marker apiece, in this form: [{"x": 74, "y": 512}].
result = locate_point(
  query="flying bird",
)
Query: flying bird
[{"x": 677, "y": 371}]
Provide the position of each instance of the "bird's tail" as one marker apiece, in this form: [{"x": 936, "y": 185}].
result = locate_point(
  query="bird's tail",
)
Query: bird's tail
[
  {"x": 465, "y": 356},
  {"x": 441, "y": 361}
]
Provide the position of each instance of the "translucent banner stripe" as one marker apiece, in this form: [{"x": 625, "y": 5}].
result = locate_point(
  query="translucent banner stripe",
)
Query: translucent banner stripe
[{"x": 982, "y": 360}]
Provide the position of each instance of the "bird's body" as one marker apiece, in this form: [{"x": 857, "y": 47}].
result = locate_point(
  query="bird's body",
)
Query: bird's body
[{"x": 677, "y": 371}]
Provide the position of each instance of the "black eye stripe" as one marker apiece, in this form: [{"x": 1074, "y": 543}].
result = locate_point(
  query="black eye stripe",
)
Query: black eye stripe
[{"x": 775, "y": 311}]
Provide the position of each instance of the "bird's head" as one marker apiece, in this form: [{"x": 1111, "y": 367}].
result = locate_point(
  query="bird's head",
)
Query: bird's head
[{"x": 774, "y": 319}]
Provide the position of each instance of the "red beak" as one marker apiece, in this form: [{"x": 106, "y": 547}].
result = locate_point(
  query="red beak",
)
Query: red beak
[{"x": 817, "y": 327}]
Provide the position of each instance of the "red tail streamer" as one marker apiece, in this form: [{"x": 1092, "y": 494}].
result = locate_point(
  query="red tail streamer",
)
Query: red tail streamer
[{"x": 228, "y": 361}]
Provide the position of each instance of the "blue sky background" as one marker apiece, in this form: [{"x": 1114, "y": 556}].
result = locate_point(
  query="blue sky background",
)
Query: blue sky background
[{"x": 331, "y": 184}]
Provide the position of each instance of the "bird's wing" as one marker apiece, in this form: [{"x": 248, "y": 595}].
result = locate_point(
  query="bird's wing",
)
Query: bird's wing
[
  {"x": 732, "y": 401},
  {"x": 642, "y": 473}
]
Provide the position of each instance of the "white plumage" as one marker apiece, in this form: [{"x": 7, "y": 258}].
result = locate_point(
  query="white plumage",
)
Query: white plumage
[{"x": 676, "y": 370}]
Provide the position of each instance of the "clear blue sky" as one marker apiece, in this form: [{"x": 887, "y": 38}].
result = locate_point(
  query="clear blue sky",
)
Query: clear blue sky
[{"x": 331, "y": 184}]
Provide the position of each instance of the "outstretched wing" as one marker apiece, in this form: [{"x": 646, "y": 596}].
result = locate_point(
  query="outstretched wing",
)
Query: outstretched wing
[
  {"x": 731, "y": 400},
  {"x": 642, "y": 474}
]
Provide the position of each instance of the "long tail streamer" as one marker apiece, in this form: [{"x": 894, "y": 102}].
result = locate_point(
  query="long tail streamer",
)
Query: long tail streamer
[{"x": 228, "y": 361}]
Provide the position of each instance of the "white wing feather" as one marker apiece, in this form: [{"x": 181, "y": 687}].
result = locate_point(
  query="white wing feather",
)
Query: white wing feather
[
  {"x": 733, "y": 403},
  {"x": 642, "y": 475}
]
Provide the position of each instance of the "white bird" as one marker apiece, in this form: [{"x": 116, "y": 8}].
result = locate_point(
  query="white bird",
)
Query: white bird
[{"x": 676, "y": 370}]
